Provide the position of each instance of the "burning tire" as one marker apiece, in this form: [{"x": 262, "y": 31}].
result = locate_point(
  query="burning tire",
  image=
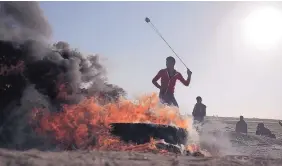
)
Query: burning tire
[{"x": 140, "y": 133}]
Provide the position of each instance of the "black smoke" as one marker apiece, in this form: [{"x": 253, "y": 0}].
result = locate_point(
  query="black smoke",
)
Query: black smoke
[{"x": 36, "y": 74}]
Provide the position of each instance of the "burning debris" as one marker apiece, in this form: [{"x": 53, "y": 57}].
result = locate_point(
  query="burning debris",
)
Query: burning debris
[
  {"x": 132, "y": 122},
  {"x": 53, "y": 96}
]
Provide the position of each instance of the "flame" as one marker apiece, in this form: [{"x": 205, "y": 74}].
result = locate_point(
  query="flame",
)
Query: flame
[
  {"x": 192, "y": 148},
  {"x": 89, "y": 122}
]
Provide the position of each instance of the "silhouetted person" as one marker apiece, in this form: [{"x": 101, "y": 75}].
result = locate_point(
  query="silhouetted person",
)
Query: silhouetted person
[
  {"x": 241, "y": 126},
  {"x": 263, "y": 131},
  {"x": 199, "y": 111},
  {"x": 168, "y": 77}
]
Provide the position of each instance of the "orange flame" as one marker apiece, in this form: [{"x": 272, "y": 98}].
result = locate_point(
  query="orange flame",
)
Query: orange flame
[
  {"x": 192, "y": 148},
  {"x": 79, "y": 123}
]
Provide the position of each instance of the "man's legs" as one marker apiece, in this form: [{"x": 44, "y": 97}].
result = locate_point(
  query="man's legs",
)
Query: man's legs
[
  {"x": 173, "y": 101},
  {"x": 168, "y": 99},
  {"x": 197, "y": 123}
]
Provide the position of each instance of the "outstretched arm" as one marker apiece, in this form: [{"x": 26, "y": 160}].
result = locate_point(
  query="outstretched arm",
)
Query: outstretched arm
[{"x": 155, "y": 80}]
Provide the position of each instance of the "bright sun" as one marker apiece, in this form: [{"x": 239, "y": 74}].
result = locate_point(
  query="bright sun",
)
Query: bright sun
[{"x": 263, "y": 27}]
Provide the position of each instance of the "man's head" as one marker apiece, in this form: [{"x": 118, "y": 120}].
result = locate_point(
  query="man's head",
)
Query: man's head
[
  {"x": 241, "y": 117},
  {"x": 199, "y": 99},
  {"x": 260, "y": 126},
  {"x": 170, "y": 62}
]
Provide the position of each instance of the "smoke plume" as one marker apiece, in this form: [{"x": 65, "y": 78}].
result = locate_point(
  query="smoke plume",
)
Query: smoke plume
[
  {"x": 23, "y": 20},
  {"x": 35, "y": 74}
]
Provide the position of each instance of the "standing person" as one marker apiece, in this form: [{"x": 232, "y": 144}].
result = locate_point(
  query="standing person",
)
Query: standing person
[
  {"x": 199, "y": 111},
  {"x": 168, "y": 77},
  {"x": 241, "y": 126}
]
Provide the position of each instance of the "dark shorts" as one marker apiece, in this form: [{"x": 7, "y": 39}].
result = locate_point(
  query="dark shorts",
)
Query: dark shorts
[{"x": 168, "y": 99}]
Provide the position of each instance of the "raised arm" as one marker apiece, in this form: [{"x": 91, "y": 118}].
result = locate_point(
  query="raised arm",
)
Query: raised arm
[
  {"x": 183, "y": 81},
  {"x": 188, "y": 80},
  {"x": 155, "y": 80}
]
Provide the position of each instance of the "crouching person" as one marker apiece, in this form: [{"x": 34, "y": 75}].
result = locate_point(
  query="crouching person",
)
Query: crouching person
[{"x": 263, "y": 131}]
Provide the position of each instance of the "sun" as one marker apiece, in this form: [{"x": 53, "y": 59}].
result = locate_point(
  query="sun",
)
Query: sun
[{"x": 263, "y": 27}]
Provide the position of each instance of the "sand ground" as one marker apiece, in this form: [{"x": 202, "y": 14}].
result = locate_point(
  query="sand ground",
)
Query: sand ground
[{"x": 92, "y": 158}]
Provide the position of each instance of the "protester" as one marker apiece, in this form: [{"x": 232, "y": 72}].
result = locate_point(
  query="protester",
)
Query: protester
[
  {"x": 199, "y": 111},
  {"x": 168, "y": 77},
  {"x": 263, "y": 131},
  {"x": 241, "y": 126}
]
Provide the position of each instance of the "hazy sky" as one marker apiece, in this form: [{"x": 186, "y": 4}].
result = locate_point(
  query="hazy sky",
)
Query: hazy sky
[{"x": 232, "y": 77}]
